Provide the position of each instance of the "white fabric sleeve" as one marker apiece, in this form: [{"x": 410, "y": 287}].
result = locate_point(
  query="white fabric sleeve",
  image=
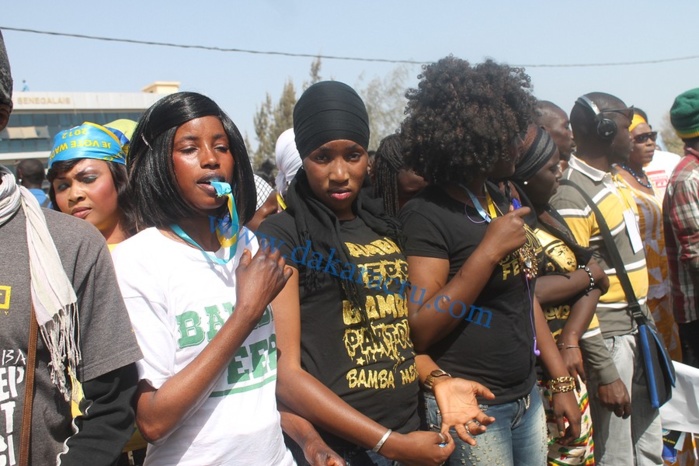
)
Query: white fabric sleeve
[{"x": 151, "y": 325}]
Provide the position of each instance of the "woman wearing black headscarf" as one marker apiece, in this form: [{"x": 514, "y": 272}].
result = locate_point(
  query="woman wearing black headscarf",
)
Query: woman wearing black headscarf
[
  {"x": 346, "y": 361},
  {"x": 568, "y": 289}
]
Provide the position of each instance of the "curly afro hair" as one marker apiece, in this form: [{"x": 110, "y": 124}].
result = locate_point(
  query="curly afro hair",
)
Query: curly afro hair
[{"x": 462, "y": 119}]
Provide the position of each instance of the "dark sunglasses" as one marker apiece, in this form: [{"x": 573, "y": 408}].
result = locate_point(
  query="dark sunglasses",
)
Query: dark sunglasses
[
  {"x": 642, "y": 138},
  {"x": 627, "y": 112}
]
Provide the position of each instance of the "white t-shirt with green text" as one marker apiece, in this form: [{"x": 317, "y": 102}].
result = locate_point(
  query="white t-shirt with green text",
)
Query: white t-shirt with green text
[{"x": 178, "y": 300}]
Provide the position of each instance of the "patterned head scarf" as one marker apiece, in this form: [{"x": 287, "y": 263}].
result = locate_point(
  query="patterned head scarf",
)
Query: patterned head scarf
[{"x": 89, "y": 141}]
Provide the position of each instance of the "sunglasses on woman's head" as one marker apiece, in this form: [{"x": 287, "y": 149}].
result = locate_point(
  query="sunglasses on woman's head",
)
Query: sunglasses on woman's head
[
  {"x": 627, "y": 112},
  {"x": 642, "y": 138}
]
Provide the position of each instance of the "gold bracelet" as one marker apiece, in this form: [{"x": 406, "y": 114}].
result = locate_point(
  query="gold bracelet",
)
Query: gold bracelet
[
  {"x": 566, "y": 379},
  {"x": 563, "y": 389}
]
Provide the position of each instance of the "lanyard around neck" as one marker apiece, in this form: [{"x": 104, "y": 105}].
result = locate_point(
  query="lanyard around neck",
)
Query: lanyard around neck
[
  {"x": 486, "y": 216},
  {"x": 226, "y": 232},
  {"x": 209, "y": 256}
]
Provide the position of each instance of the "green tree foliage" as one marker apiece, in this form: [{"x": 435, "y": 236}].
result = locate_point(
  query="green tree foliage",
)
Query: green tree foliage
[
  {"x": 670, "y": 139},
  {"x": 314, "y": 74},
  {"x": 270, "y": 121}
]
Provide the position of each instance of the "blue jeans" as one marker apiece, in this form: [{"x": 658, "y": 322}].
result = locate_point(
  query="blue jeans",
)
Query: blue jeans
[
  {"x": 636, "y": 440},
  {"x": 517, "y": 437}
]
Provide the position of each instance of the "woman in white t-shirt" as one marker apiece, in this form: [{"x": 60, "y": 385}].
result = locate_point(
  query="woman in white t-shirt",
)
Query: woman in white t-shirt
[{"x": 197, "y": 288}]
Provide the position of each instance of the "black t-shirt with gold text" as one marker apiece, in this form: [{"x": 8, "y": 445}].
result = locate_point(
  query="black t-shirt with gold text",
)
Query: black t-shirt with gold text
[
  {"x": 493, "y": 343},
  {"x": 375, "y": 375}
]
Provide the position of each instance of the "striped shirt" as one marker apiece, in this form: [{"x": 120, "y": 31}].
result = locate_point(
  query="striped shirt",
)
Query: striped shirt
[
  {"x": 681, "y": 221},
  {"x": 616, "y": 203}
]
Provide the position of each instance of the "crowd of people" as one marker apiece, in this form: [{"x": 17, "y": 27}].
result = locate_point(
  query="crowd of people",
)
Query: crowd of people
[{"x": 447, "y": 301}]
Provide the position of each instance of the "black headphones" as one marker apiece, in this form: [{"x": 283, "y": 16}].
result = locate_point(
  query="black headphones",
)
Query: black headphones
[{"x": 606, "y": 128}]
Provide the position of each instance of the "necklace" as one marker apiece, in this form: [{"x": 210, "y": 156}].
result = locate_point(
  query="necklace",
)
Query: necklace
[
  {"x": 638, "y": 178},
  {"x": 528, "y": 259},
  {"x": 486, "y": 216}
]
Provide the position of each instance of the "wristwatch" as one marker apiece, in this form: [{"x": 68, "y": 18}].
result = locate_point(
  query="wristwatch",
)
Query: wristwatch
[{"x": 429, "y": 380}]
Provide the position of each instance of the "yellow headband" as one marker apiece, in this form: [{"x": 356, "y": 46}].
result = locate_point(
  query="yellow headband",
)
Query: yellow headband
[{"x": 637, "y": 120}]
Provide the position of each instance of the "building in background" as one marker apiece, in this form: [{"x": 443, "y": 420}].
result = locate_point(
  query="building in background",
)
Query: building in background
[{"x": 38, "y": 116}]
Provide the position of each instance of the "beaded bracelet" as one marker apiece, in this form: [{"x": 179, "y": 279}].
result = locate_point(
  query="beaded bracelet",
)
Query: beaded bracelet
[{"x": 589, "y": 274}]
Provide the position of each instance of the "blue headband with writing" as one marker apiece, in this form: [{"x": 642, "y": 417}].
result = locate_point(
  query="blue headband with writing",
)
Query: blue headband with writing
[{"x": 89, "y": 141}]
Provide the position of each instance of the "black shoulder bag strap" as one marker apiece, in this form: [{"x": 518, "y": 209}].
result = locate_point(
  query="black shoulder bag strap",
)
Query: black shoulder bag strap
[{"x": 614, "y": 255}]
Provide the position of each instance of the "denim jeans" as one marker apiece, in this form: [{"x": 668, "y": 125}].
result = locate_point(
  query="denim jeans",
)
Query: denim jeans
[
  {"x": 517, "y": 437},
  {"x": 636, "y": 440}
]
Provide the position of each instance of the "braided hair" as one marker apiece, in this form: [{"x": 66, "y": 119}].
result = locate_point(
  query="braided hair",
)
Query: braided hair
[{"x": 388, "y": 161}]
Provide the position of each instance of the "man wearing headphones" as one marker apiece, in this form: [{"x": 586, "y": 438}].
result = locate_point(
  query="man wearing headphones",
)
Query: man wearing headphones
[{"x": 626, "y": 429}]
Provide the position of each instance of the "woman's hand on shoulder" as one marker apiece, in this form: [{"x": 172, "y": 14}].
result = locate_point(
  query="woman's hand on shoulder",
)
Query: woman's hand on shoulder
[
  {"x": 458, "y": 405},
  {"x": 259, "y": 279},
  {"x": 420, "y": 448}
]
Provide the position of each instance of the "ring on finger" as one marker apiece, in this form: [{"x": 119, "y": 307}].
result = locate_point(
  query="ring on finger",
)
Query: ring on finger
[{"x": 443, "y": 438}]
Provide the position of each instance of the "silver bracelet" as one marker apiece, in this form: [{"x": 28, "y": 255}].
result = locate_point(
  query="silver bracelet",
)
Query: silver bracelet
[{"x": 380, "y": 443}]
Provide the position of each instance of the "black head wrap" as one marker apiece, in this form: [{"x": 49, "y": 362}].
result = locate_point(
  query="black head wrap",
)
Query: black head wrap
[
  {"x": 327, "y": 111},
  {"x": 5, "y": 75},
  {"x": 317, "y": 223},
  {"x": 536, "y": 153}
]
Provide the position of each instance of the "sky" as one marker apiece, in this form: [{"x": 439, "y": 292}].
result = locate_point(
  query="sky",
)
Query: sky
[{"x": 528, "y": 33}]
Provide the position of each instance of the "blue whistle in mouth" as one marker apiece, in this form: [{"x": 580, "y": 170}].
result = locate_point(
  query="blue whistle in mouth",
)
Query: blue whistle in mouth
[{"x": 222, "y": 188}]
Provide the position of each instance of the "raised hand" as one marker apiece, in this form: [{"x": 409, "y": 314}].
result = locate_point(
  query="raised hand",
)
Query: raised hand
[
  {"x": 259, "y": 280},
  {"x": 505, "y": 234}
]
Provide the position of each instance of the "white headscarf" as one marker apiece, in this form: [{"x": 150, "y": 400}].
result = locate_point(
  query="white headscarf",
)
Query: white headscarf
[
  {"x": 288, "y": 160},
  {"x": 53, "y": 297}
]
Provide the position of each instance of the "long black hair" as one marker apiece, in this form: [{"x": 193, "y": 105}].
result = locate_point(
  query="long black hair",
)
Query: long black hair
[{"x": 151, "y": 169}]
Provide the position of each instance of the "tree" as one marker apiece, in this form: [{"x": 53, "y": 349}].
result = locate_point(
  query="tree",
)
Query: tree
[
  {"x": 383, "y": 97},
  {"x": 385, "y": 103},
  {"x": 271, "y": 120},
  {"x": 672, "y": 142},
  {"x": 315, "y": 74}
]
